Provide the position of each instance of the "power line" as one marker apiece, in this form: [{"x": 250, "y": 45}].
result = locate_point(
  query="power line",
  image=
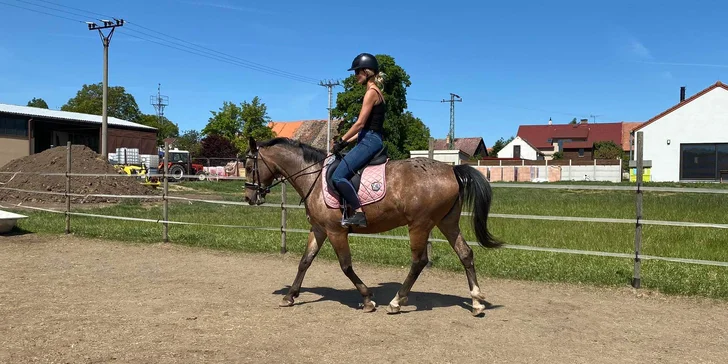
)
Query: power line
[
  {"x": 512, "y": 106},
  {"x": 227, "y": 55},
  {"x": 54, "y": 9},
  {"x": 227, "y": 58},
  {"x": 41, "y": 12},
  {"x": 239, "y": 61}
]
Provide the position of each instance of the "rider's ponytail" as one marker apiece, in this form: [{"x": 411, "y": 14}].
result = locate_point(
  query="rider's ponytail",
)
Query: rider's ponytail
[{"x": 378, "y": 77}]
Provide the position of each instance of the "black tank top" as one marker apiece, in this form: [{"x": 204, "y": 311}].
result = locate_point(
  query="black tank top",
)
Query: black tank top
[{"x": 375, "y": 121}]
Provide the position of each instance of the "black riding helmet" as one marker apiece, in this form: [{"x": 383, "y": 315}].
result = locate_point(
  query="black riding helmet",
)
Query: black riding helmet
[{"x": 365, "y": 60}]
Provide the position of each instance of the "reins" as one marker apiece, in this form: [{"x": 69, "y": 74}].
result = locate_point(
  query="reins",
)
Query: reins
[{"x": 266, "y": 190}]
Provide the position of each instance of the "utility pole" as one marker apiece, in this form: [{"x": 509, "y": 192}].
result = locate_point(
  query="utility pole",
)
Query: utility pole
[
  {"x": 159, "y": 102},
  {"x": 329, "y": 85},
  {"x": 453, "y": 99},
  {"x": 105, "y": 40}
]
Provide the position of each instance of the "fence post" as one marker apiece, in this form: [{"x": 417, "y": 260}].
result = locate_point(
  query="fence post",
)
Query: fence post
[
  {"x": 165, "y": 202},
  {"x": 284, "y": 218},
  {"x": 431, "y": 155},
  {"x": 638, "y": 227},
  {"x": 68, "y": 187}
]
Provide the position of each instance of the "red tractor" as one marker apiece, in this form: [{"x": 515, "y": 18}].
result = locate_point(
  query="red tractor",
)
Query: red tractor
[{"x": 180, "y": 164}]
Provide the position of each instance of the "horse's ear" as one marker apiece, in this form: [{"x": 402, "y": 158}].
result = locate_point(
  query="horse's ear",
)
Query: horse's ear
[{"x": 252, "y": 144}]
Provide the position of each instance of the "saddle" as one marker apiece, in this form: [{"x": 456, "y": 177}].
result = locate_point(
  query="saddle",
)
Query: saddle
[{"x": 372, "y": 174}]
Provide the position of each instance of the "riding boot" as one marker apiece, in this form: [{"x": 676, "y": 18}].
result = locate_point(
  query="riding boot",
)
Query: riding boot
[
  {"x": 349, "y": 193},
  {"x": 359, "y": 218}
]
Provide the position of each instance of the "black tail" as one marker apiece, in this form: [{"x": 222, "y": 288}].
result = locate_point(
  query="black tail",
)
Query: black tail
[{"x": 476, "y": 191}]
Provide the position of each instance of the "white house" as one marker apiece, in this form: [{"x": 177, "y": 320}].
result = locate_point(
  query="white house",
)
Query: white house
[
  {"x": 520, "y": 148},
  {"x": 454, "y": 157},
  {"x": 689, "y": 141}
]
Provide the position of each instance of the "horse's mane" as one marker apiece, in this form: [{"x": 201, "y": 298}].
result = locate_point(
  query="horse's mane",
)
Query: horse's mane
[{"x": 310, "y": 154}]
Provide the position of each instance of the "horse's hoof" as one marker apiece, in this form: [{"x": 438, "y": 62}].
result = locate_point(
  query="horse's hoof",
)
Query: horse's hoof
[
  {"x": 393, "y": 309},
  {"x": 286, "y": 302},
  {"x": 479, "y": 311},
  {"x": 370, "y": 306}
]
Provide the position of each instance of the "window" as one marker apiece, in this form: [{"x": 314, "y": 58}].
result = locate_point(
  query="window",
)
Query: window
[
  {"x": 516, "y": 151},
  {"x": 703, "y": 161},
  {"x": 581, "y": 152},
  {"x": 177, "y": 157},
  {"x": 13, "y": 126}
]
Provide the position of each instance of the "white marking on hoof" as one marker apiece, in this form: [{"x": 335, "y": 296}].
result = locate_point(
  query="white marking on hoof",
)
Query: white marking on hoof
[{"x": 395, "y": 301}]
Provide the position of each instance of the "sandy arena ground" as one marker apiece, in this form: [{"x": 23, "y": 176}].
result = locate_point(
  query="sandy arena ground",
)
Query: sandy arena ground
[{"x": 89, "y": 301}]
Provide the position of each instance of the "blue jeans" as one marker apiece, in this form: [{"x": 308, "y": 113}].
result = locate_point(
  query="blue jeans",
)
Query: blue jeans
[{"x": 368, "y": 145}]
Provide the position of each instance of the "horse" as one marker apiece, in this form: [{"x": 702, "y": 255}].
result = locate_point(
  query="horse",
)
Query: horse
[{"x": 421, "y": 193}]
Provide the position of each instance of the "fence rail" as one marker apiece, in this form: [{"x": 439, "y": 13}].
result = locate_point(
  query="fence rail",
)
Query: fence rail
[{"x": 283, "y": 229}]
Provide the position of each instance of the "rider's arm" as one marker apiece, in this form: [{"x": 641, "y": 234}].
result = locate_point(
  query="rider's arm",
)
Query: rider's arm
[{"x": 366, "y": 108}]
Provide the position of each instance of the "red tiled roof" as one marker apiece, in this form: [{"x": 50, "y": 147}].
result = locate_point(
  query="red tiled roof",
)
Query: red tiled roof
[
  {"x": 284, "y": 129},
  {"x": 539, "y": 135},
  {"x": 311, "y": 132},
  {"x": 467, "y": 145},
  {"x": 681, "y": 104}
]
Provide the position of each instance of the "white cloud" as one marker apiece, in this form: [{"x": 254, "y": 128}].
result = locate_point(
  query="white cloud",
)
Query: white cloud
[{"x": 639, "y": 49}]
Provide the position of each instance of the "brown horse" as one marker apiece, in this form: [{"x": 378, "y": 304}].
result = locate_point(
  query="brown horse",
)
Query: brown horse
[{"x": 420, "y": 192}]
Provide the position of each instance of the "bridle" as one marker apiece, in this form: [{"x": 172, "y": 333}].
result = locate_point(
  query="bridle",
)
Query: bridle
[{"x": 261, "y": 191}]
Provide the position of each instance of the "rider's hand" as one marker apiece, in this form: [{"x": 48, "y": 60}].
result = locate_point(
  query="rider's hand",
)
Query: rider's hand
[{"x": 339, "y": 145}]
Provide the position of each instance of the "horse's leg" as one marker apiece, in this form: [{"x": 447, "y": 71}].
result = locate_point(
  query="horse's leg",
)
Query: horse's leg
[
  {"x": 418, "y": 246},
  {"x": 449, "y": 226},
  {"x": 340, "y": 242},
  {"x": 316, "y": 238}
]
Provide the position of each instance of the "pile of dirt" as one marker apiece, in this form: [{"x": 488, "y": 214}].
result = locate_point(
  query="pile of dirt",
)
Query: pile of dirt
[{"x": 83, "y": 160}]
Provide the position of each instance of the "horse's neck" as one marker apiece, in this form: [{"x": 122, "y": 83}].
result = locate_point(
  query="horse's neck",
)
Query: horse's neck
[{"x": 298, "y": 173}]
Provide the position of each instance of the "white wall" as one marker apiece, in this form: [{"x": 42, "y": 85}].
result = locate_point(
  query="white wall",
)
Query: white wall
[
  {"x": 448, "y": 156},
  {"x": 527, "y": 152},
  {"x": 704, "y": 120}
]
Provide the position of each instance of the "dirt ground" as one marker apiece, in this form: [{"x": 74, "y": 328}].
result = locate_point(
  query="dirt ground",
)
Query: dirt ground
[{"x": 71, "y": 300}]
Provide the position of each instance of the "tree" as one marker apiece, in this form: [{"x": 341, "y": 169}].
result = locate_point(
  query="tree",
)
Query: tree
[
  {"x": 500, "y": 144},
  {"x": 217, "y": 146},
  {"x": 404, "y": 132},
  {"x": 418, "y": 134},
  {"x": 228, "y": 122},
  {"x": 190, "y": 141},
  {"x": 573, "y": 121},
  {"x": 165, "y": 130},
  {"x": 89, "y": 100},
  {"x": 38, "y": 102},
  {"x": 255, "y": 123},
  {"x": 607, "y": 150}
]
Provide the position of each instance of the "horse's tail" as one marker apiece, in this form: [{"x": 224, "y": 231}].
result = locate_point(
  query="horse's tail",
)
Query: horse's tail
[{"x": 476, "y": 191}]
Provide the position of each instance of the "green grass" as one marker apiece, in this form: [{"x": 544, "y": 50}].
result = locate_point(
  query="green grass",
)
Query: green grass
[{"x": 668, "y": 277}]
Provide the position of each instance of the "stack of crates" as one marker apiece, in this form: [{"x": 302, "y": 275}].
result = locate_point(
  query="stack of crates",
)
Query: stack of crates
[{"x": 129, "y": 156}]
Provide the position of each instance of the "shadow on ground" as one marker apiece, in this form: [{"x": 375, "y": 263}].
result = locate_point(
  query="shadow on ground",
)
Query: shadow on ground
[
  {"x": 383, "y": 293},
  {"x": 16, "y": 231}
]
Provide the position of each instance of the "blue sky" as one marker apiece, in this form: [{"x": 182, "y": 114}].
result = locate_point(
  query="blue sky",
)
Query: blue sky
[{"x": 513, "y": 63}]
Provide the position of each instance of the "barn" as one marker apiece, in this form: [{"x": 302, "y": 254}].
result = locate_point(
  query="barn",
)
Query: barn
[
  {"x": 28, "y": 130},
  {"x": 689, "y": 141}
]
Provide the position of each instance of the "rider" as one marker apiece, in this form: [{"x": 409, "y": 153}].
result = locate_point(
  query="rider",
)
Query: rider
[{"x": 367, "y": 131}]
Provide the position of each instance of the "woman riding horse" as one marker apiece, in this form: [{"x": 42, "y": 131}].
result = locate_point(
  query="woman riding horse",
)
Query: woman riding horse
[{"x": 368, "y": 131}]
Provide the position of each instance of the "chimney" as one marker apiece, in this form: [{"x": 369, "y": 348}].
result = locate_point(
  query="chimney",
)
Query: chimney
[
  {"x": 682, "y": 93},
  {"x": 584, "y": 121},
  {"x": 550, "y": 122}
]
